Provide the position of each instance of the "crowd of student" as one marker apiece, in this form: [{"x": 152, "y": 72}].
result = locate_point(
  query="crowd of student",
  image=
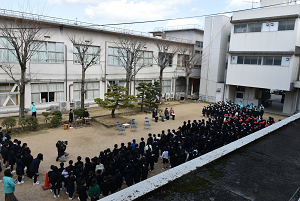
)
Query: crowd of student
[
  {"x": 13, "y": 153},
  {"x": 105, "y": 174}
]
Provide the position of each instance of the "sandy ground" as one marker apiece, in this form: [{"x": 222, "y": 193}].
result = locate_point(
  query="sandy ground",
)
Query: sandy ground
[{"x": 89, "y": 141}]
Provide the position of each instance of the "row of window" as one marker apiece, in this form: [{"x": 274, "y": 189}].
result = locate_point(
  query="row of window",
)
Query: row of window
[
  {"x": 261, "y": 60},
  {"x": 54, "y": 92},
  {"x": 117, "y": 57},
  {"x": 53, "y": 52},
  {"x": 265, "y": 26}
]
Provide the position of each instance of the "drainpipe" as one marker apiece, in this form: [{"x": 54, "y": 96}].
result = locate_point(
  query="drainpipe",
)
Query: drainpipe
[
  {"x": 70, "y": 91},
  {"x": 66, "y": 73}
]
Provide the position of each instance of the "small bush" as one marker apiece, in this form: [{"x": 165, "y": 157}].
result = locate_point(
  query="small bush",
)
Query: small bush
[
  {"x": 79, "y": 112},
  {"x": 58, "y": 114},
  {"x": 22, "y": 122},
  {"x": 31, "y": 122},
  {"x": 9, "y": 122},
  {"x": 46, "y": 117},
  {"x": 55, "y": 121}
]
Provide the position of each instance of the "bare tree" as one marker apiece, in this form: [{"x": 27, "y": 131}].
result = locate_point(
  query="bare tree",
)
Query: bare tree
[
  {"x": 87, "y": 55},
  {"x": 131, "y": 56},
  {"x": 22, "y": 38},
  {"x": 166, "y": 53},
  {"x": 188, "y": 59}
]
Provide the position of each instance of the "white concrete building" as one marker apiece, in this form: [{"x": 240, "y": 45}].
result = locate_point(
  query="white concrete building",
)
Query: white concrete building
[
  {"x": 53, "y": 74},
  {"x": 263, "y": 54},
  {"x": 214, "y": 57},
  {"x": 194, "y": 33}
]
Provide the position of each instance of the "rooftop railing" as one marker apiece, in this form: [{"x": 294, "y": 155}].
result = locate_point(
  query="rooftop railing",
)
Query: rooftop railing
[{"x": 75, "y": 23}]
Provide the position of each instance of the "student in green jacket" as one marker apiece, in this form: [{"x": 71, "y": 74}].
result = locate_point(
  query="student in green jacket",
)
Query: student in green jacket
[
  {"x": 94, "y": 190},
  {"x": 9, "y": 186}
]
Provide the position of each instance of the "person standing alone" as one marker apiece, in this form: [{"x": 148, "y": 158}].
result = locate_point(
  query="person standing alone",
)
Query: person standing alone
[
  {"x": 9, "y": 186},
  {"x": 33, "y": 109}
]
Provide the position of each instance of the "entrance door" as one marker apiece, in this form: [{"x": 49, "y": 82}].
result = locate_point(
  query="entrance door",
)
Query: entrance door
[{"x": 239, "y": 96}]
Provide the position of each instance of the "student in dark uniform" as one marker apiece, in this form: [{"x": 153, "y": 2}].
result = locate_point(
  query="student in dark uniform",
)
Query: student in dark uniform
[
  {"x": 56, "y": 180},
  {"x": 105, "y": 186},
  {"x": 82, "y": 191},
  {"x": 71, "y": 116},
  {"x": 20, "y": 168},
  {"x": 145, "y": 171},
  {"x": 154, "y": 114},
  {"x": 34, "y": 168},
  {"x": 119, "y": 179},
  {"x": 71, "y": 184}
]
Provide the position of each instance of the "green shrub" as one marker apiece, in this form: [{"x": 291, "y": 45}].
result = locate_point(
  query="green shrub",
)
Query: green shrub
[
  {"x": 79, "y": 112},
  {"x": 58, "y": 114},
  {"x": 31, "y": 122},
  {"x": 9, "y": 122},
  {"x": 55, "y": 121},
  {"x": 22, "y": 122},
  {"x": 46, "y": 117}
]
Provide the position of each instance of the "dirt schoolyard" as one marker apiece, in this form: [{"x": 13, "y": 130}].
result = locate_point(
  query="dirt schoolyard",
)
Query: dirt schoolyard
[{"x": 89, "y": 141}]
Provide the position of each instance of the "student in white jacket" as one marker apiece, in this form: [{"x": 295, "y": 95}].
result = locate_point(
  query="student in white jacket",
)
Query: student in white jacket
[{"x": 165, "y": 157}]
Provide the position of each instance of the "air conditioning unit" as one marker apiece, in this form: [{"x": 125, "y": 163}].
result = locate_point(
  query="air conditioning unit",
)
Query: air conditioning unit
[
  {"x": 267, "y": 24},
  {"x": 167, "y": 97},
  {"x": 172, "y": 95},
  {"x": 77, "y": 104},
  {"x": 287, "y": 59},
  {"x": 272, "y": 24},
  {"x": 64, "y": 107}
]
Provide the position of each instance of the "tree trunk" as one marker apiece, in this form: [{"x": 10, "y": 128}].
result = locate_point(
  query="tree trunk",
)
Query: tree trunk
[
  {"x": 113, "y": 113},
  {"x": 142, "y": 103},
  {"x": 22, "y": 92},
  {"x": 82, "y": 87},
  {"x": 187, "y": 77},
  {"x": 160, "y": 83}
]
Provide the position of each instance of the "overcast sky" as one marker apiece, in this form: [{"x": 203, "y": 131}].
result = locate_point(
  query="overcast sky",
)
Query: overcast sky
[{"x": 117, "y": 11}]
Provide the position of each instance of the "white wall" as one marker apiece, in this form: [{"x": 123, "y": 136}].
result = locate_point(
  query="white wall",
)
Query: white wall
[
  {"x": 213, "y": 66},
  {"x": 259, "y": 76},
  {"x": 55, "y": 72}
]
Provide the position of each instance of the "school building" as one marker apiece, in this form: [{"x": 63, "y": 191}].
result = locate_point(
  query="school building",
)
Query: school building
[
  {"x": 53, "y": 74},
  {"x": 254, "y": 51}
]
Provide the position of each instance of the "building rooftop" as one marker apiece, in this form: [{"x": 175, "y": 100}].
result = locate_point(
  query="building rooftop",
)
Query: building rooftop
[
  {"x": 83, "y": 25},
  {"x": 267, "y": 169},
  {"x": 189, "y": 27}
]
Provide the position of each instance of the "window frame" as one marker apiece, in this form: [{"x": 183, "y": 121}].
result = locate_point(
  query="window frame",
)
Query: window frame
[
  {"x": 48, "y": 91},
  {"x": 87, "y": 54},
  {"x": 48, "y": 52}
]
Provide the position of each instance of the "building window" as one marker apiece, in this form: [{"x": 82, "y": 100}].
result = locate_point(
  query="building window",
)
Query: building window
[
  {"x": 240, "y": 28},
  {"x": 145, "y": 58},
  {"x": 167, "y": 56},
  {"x": 166, "y": 86},
  {"x": 199, "y": 44},
  {"x": 182, "y": 60},
  {"x": 197, "y": 52},
  {"x": 286, "y": 25},
  {"x": 92, "y": 91},
  {"x": 49, "y": 52},
  {"x": 117, "y": 57},
  {"x": 261, "y": 60},
  {"x": 92, "y": 52},
  {"x": 9, "y": 94},
  {"x": 47, "y": 92},
  {"x": 6, "y": 51},
  {"x": 240, "y": 60},
  {"x": 180, "y": 84},
  {"x": 254, "y": 27}
]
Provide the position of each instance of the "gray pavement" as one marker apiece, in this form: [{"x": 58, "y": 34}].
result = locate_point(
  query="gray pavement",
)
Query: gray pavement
[{"x": 265, "y": 170}]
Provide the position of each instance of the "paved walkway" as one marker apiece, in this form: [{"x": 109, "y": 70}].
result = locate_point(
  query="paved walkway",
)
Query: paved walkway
[{"x": 266, "y": 170}]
